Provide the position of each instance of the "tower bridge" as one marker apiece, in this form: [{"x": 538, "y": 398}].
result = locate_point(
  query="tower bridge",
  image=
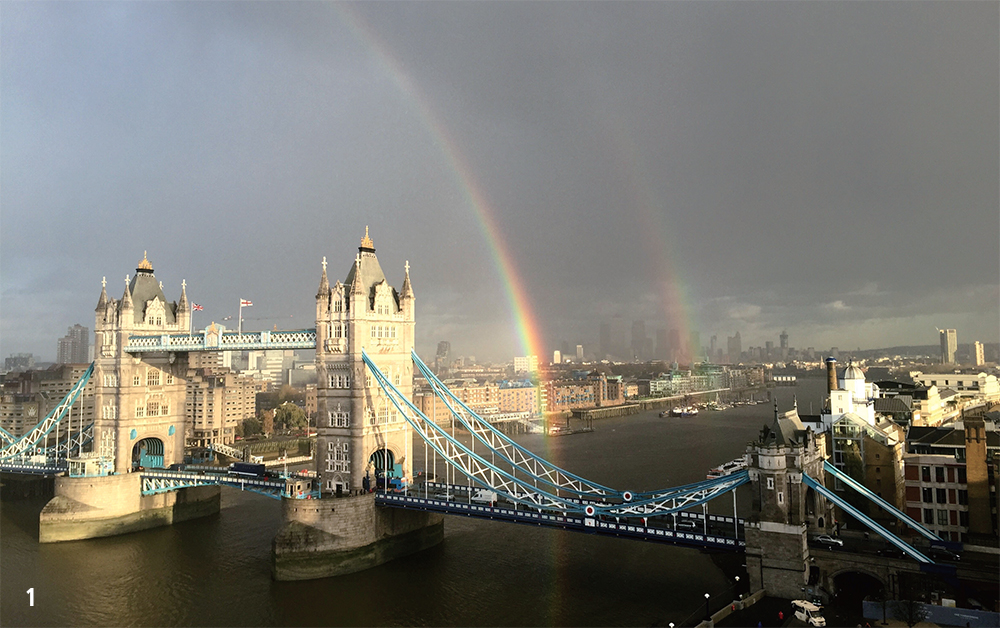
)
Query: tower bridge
[{"x": 365, "y": 362}]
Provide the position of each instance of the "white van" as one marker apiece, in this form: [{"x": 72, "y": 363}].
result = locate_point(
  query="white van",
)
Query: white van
[
  {"x": 484, "y": 496},
  {"x": 808, "y": 612}
]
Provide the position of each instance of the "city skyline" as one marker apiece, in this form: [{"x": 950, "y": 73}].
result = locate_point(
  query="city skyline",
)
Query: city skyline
[{"x": 701, "y": 167}]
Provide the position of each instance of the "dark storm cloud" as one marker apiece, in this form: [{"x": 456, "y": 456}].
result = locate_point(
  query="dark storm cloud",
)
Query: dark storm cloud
[{"x": 830, "y": 168}]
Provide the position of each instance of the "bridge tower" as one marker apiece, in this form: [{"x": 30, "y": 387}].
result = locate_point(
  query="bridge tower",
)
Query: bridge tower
[
  {"x": 139, "y": 399},
  {"x": 785, "y": 511},
  {"x": 359, "y": 430}
]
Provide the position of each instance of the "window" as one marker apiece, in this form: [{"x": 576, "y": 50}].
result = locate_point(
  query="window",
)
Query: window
[
  {"x": 942, "y": 496},
  {"x": 373, "y": 331},
  {"x": 164, "y": 409},
  {"x": 140, "y": 410},
  {"x": 770, "y": 484},
  {"x": 961, "y": 476},
  {"x": 153, "y": 408},
  {"x": 925, "y": 474},
  {"x": 340, "y": 419},
  {"x": 781, "y": 497},
  {"x": 939, "y": 474},
  {"x": 928, "y": 516},
  {"x": 942, "y": 517},
  {"x": 368, "y": 379},
  {"x": 340, "y": 381},
  {"x": 928, "y": 496},
  {"x": 338, "y": 305},
  {"x": 169, "y": 379},
  {"x": 963, "y": 518},
  {"x": 110, "y": 412},
  {"x": 963, "y": 497},
  {"x": 153, "y": 378},
  {"x": 136, "y": 380},
  {"x": 396, "y": 379}
]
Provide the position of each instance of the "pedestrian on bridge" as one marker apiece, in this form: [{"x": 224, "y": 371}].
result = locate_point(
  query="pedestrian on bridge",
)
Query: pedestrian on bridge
[{"x": 366, "y": 484}]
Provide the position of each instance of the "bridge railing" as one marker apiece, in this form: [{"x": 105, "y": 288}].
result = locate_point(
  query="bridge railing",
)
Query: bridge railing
[
  {"x": 225, "y": 341},
  {"x": 41, "y": 431}
]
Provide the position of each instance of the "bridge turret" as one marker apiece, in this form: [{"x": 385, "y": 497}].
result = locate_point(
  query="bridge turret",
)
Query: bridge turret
[
  {"x": 785, "y": 511},
  {"x": 183, "y": 311},
  {"x": 125, "y": 307},
  {"x": 406, "y": 297}
]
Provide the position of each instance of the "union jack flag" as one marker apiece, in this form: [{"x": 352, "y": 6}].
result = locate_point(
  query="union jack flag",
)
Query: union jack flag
[{"x": 196, "y": 308}]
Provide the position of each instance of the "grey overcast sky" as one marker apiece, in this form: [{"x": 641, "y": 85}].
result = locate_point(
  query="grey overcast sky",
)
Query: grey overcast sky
[{"x": 829, "y": 168}]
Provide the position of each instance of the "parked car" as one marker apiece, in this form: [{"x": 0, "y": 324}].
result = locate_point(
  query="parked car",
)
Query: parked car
[
  {"x": 829, "y": 541},
  {"x": 891, "y": 551}
]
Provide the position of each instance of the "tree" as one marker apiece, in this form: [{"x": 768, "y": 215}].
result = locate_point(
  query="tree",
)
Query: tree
[
  {"x": 910, "y": 612},
  {"x": 290, "y": 416},
  {"x": 250, "y": 426}
]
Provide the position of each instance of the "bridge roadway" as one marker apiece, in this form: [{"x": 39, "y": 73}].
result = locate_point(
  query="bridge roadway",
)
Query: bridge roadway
[{"x": 455, "y": 500}]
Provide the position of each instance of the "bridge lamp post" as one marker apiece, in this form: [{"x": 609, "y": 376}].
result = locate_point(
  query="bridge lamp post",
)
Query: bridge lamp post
[{"x": 708, "y": 614}]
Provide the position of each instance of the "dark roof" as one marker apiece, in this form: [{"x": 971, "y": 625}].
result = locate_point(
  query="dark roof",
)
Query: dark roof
[
  {"x": 893, "y": 405},
  {"x": 144, "y": 288},
  {"x": 371, "y": 275}
]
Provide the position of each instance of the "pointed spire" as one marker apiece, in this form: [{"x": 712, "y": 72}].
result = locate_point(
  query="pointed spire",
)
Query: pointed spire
[
  {"x": 407, "y": 291},
  {"x": 182, "y": 305},
  {"x": 356, "y": 284},
  {"x": 324, "y": 283},
  {"x": 366, "y": 242},
  {"x": 102, "y": 303},
  {"x": 126, "y": 302}
]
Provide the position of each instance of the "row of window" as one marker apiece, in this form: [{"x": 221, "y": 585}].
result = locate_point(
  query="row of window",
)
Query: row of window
[
  {"x": 340, "y": 419},
  {"x": 152, "y": 379},
  {"x": 929, "y": 494},
  {"x": 383, "y": 331},
  {"x": 338, "y": 457},
  {"x": 151, "y": 408},
  {"x": 344, "y": 381},
  {"x": 944, "y": 519},
  {"x": 939, "y": 474}
]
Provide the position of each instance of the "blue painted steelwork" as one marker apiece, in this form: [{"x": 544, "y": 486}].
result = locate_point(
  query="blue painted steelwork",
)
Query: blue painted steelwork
[
  {"x": 588, "y": 525},
  {"x": 525, "y": 491},
  {"x": 6, "y": 436},
  {"x": 225, "y": 341},
  {"x": 154, "y": 482},
  {"x": 37, "y": 434},
  {"x": 861, "y": 488},
  {"x": 865, "y": 519},
  {"x": 516, "y": 455},
  {"x": 25, "y": 467}
]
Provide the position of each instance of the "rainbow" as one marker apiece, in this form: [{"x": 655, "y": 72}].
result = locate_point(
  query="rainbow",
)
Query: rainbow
[
  {"x": 656, "y": 239},
  {"x": 528, "y": 331}
]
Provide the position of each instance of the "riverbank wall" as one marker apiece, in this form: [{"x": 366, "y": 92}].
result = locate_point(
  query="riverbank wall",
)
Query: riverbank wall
[
  {"x": 335, "y": 536},
  {"x": 93, "y": 507},
  {"x": 15, "y": 486}
]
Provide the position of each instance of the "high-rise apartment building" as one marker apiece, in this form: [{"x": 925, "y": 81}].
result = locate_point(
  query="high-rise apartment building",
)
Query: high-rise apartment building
[
  {"x": 949, "y": 344},
  {"x": 977, "y": 353},
  {"x": 74, "y": 347}
]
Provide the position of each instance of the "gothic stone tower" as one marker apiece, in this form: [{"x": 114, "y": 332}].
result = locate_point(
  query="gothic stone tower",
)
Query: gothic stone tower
[
  {"x": 139, "y": 398},
  {"x": 785, "y": 510},
  {"x": 358, "y": 425}
]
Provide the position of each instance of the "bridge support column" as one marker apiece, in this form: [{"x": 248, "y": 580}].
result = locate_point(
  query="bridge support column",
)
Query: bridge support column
[
  {"x": 93, "y": 507},
  {"x": 336, "y": 536},
  {"x": 777, "y": 558}
]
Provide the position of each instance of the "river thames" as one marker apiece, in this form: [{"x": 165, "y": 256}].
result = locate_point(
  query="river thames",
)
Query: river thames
[{"x": 216, "y": 571}]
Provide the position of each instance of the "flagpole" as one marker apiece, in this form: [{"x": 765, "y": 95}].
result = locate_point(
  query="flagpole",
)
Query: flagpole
[{"x": 240, "y": 324}]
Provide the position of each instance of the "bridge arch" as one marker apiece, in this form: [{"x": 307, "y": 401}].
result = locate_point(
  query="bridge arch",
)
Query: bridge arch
[
  {"x": 853, "y": 584},
  {"x": 147, "y": 453}
]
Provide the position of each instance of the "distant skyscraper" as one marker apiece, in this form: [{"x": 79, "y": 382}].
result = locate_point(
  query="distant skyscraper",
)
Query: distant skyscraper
[
  {"x": 662, "y": 345},
  {"x": 557, "y": 357},
  {"x": 949, "y": 344},
  {"x": 619, "y": 348},
  {"x": 977, "y": 353},
  {"x": 673, "y": 344},
  {"x": 769, "y": 350},
  {"x": 694, "y": 346},
  {"x": 713, "y": 345},
  {"x": 734, "y": 345},
  {"x": 74, "y": 347},
  {"x": 639, "y": 339},
  {"x": 19, "y": 362},
  {"x": 443, "y": 358},
  {"x": 605, "y": 342},
  {"x": 579, "y": 353},
  {"x": 783, "y": 338}
]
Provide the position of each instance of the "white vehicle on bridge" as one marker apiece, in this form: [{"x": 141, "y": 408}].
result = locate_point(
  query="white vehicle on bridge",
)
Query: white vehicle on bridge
[
  {"x": 808, "y": 612},
  {"x": 829, "y": 541}
]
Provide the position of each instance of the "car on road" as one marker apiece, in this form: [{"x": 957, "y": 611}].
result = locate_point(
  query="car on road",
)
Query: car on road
[
  {"x": 942, "y": 553},
  {"x": 891, "y": 552},
  {"x": 829, "y": 541},
  {"x": 808, "y": 612}
]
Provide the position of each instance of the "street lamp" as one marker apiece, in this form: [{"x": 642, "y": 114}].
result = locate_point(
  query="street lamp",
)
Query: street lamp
[{"x": 708, "y": 614}]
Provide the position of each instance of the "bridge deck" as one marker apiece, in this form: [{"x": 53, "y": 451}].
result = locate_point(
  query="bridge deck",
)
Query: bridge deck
[{"x": 588, "y": 525}]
